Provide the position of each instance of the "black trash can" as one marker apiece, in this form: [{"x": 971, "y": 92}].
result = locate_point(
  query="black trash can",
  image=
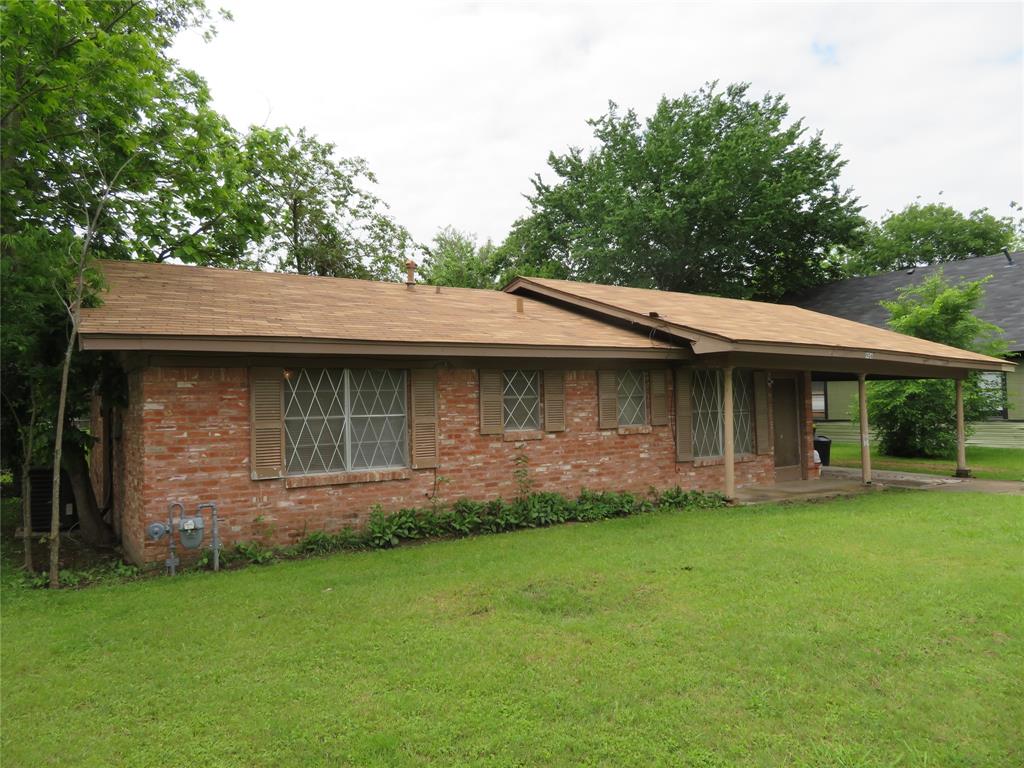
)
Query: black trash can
[{"x": 823, "y": 445}]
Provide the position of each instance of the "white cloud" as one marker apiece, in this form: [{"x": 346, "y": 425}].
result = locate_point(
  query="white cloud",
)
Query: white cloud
[{"x": 457, "y": 106}]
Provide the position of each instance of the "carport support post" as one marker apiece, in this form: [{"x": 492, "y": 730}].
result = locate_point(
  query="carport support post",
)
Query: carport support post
[
  {"x": 865, "y": 434},
  {"x": 728, "y": 449},
  {"x": 961, "y": 433}
]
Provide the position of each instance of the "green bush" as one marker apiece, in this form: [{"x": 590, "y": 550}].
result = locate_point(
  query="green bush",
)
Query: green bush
[
  {"x": 917, "y": 417},
  {"x": 467, "y": 517}
]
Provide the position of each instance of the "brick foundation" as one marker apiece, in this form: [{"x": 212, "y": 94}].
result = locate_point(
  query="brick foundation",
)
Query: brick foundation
[{"x": 184, "y": 436}]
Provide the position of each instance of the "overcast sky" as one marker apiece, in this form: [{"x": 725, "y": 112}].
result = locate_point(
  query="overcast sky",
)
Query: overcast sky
[{"x": 456, "y": 106}]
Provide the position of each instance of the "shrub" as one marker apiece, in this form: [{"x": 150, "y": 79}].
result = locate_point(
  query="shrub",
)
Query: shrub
[{"x": 918, "y": 417}]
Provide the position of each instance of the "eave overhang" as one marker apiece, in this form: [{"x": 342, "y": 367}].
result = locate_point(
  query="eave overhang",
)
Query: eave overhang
[{"x": 309, "y": 347}]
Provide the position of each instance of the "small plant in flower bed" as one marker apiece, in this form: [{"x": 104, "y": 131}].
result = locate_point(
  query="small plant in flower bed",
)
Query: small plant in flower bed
[{"x": 466, "y": 517}]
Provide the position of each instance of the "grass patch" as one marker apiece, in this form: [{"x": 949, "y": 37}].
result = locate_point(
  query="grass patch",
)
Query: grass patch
[
  {"x": 986, "y": 463},
  {"x": 879, "y": 630}
]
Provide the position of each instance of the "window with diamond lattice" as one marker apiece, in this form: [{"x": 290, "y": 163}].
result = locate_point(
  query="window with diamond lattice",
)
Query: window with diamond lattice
[
  {"x": 338, "y": 420},
  {"x": 743, "y": 410},
  {"x": 632, "y": 398},
  {"x": 521, "y": 400},
  {"x": 708, "y": 412}
]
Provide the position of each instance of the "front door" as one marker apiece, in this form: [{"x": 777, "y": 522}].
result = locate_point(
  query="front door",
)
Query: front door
[{"x": 786, "y": 417}]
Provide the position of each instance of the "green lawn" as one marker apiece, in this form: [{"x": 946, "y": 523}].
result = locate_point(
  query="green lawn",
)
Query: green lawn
[
  {"x": 882, "y": 630},
  {"x": 986, "y": 463}
]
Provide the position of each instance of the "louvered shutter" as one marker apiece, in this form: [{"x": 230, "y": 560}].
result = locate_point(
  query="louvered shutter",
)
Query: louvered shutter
[
  {"x": 684, "y": 414},
  {"x": 492, "y": 414},
  {"x": 607, "y": 400},
  {"x": 423, "y": 406},
  {"x": 266, "y": 393},
  {"x": 554, "y": 401},
  {"x": 659, "y": 408},
  {"x": 763, "y": 436}
]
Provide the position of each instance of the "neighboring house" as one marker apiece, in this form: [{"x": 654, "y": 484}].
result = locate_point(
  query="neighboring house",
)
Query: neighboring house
[
  {"x": 300, "y": 403},
  {"x": 859, "y": 299}
]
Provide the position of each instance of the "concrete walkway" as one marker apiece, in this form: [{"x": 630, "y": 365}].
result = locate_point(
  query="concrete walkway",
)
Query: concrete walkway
[{"x": 843, "y": 481}]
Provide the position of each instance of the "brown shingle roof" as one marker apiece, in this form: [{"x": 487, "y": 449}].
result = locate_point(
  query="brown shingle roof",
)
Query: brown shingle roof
[
  {"x": 164, "y": 300},
  {"x": 737, "y": 321}
]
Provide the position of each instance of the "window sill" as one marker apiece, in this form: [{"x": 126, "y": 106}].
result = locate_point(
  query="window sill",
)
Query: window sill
[
  {"x": 717, "y": 461},
  {"x": 347, "y": 478},
  {"x": 519, "y": 436},
  {"x": 637, "y": 429}
]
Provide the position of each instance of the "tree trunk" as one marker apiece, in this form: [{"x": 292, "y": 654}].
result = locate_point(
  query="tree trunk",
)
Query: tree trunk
[
  {"x": 26, "y": 509},
  {"x": 93, "y": 527},
  {"x": 57, "y": 450}
]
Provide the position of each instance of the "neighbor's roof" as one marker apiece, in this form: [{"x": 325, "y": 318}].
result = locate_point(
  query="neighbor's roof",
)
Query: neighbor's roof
[
  {"x": 720, "y": 325},
  {"x": 858, "y": 298},
  {"x": 165, "y": 306}
]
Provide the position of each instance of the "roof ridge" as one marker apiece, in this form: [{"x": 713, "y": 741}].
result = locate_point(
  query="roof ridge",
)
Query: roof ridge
[{"x": 136, "y": 263}]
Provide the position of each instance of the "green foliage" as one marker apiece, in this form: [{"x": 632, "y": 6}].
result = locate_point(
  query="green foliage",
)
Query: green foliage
[
  {"x": 918, "y": 417},
  {"x": 929, "y": 234},
  {"x": 254, "y": 552},
  {"x": 714, "y": 193},
  {"x": 322, "y": 218},
  {"x": 454, "y": 259},
  {"x": 467, "y": 517},
  {"x": 114, "y": 572}
]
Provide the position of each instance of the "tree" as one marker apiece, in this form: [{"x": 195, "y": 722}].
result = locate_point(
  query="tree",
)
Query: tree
[
  {"x": 918, "y": 417},
  {"x": 714, "y": 193},
  {"x": 89, "y": 92},
  {"x": 929, "y": 234},
  {"x": 454, "y": 259},
  {"x": 322, "y": 219}
]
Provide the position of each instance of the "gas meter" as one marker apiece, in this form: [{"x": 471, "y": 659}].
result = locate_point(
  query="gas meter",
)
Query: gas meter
[{"x": 190, "y": 531}]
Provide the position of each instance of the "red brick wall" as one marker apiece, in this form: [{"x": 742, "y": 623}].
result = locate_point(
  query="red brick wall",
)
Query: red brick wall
[{"x": 186, "y": 438}]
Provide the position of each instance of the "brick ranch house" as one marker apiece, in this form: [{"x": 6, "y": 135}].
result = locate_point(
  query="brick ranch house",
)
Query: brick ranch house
[{"x": 298, "y": 403}]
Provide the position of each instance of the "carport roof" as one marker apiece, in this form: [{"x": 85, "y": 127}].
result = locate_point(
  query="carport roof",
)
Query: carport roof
[{"x": 717, "y": 325}]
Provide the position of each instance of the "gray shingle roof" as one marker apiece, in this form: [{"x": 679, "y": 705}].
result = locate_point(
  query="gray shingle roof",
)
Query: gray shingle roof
[{"x": 857, "y": 298}]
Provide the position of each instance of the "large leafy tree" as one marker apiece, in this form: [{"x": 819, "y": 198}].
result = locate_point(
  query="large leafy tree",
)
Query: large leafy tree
[
  {"x": 110, "y": 148},
  {"x": 88, "y": 94},
  {"x": 716, "y": 192},
  {"x": 931, "y": 233},
  {"x": 918, "y": 417},
  {"x": 323, "y": 217},
  {"x": 453, "y": 258}
]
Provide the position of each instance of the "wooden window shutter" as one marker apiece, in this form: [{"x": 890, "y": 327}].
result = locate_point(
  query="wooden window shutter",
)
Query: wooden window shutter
[
  {"x": 607, "y": 400},
  {"x": 684, "y": 414},
  {"x": 266, "y": 393},
  {"x": 763, "y": 436},
  {"x": 423, "y": 394},
  {"x": 492, "y": 409},
  {"x": 659, "y": 406},
  {"x": 554, "y": 401}
]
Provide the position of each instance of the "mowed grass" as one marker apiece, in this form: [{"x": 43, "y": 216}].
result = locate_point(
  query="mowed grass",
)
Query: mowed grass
[
  {"x": 985, "y": 463},
  {"x": 882, "y": 630}
]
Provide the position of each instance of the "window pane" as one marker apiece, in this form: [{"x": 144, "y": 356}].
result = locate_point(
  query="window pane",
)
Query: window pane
[
  {"x": 743, "y": 410},
  {"x": 314, "y": 421},
  {"x": 521, "y": 400},
  {"x": 707, "y": 412},
  {"x": 632, "y": 398},
  {"x": 377, "y": 402}
]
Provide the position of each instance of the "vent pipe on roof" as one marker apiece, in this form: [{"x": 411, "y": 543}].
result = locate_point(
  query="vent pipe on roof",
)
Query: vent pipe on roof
[
  {"x": 1009, "y": 259},
  {"x": 410, "y": 273}
]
